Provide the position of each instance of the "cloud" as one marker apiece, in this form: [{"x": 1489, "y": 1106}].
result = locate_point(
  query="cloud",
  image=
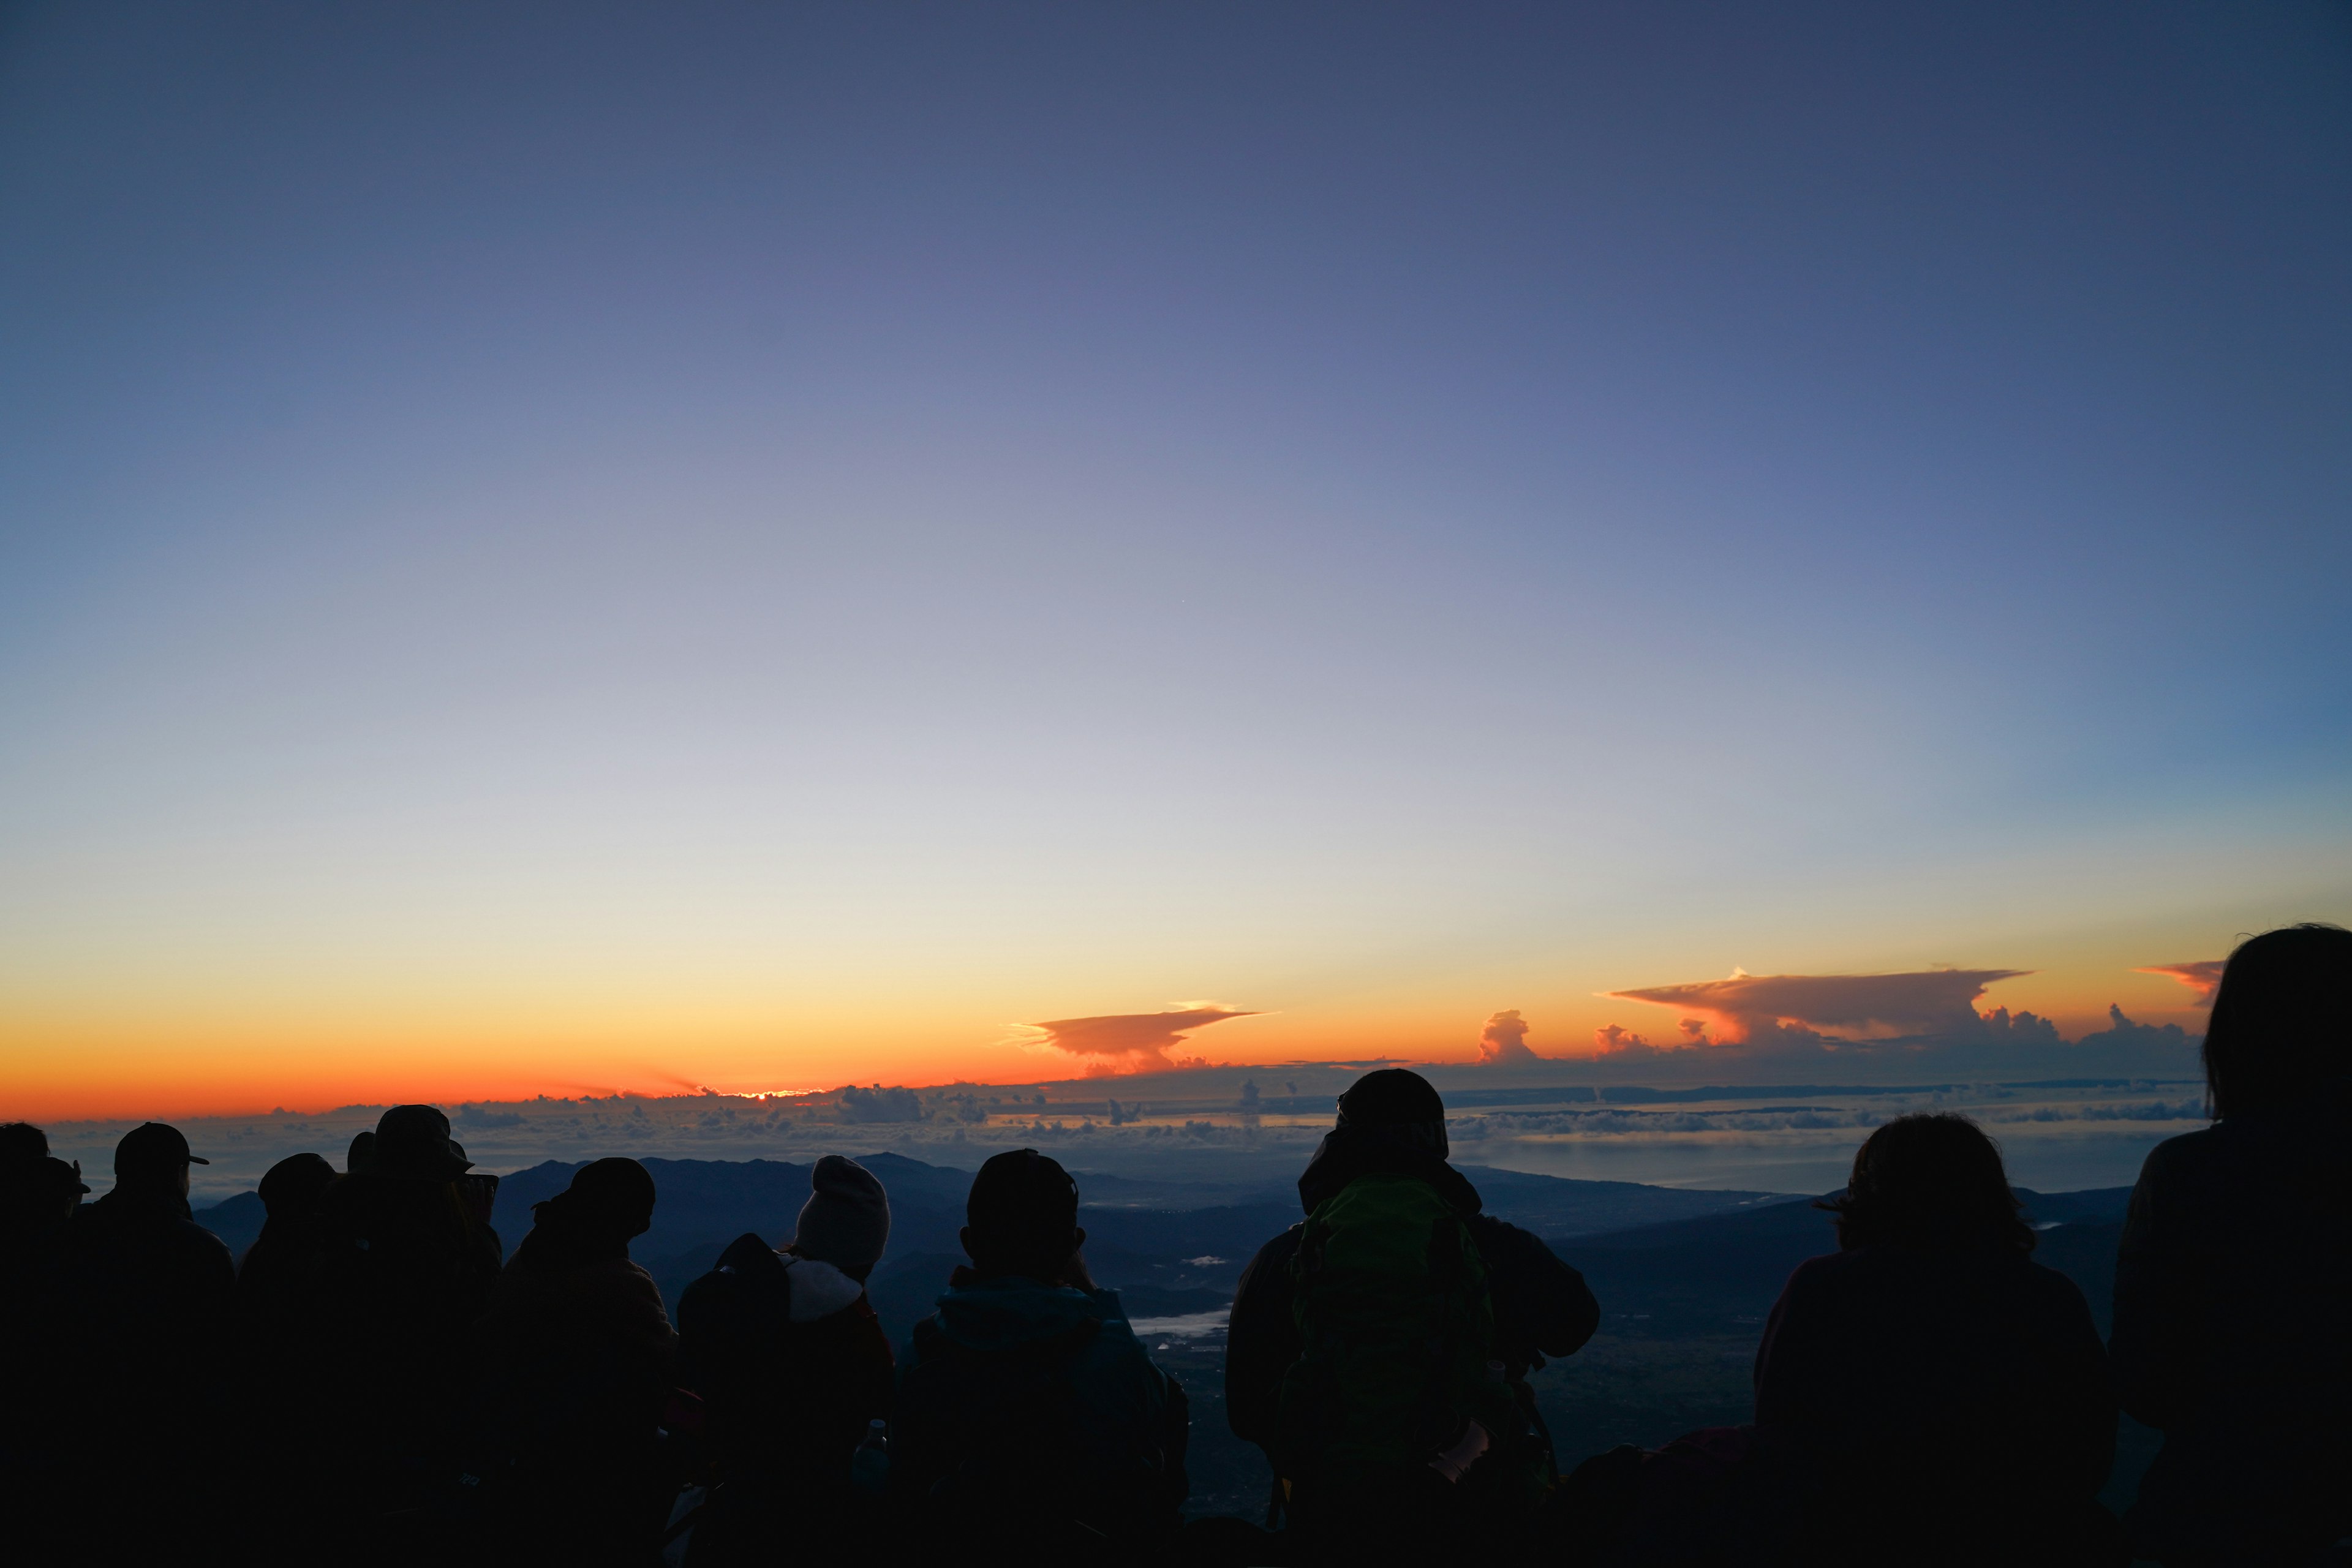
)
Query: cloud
[
  {"x": 1764, "y": 1011},
  {"x": 1504, "y": 1039},
  {"x": 2201, "y": 975},
  {"x": 1133, "y": 1041}
]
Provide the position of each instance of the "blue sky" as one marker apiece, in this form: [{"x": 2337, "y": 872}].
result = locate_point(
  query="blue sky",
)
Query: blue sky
[{"x": 720, "y": 536}]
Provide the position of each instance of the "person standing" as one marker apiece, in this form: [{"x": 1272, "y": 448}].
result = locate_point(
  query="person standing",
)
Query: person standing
[
  {"x": 792, "y": 1368},
  {"x": 1032, "y": 1418},
  {"x": 143, "y": 1324},
  {"x": 1928, "y": 1393},
  {"x": 2234, "y": 1278},
  {"x": 1379, "y": 1351},
  {"x": 576, "y": 1362}
]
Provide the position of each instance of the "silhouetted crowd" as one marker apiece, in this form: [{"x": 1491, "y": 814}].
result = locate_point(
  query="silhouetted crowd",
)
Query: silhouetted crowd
[{"x": 380, "y": 1381}]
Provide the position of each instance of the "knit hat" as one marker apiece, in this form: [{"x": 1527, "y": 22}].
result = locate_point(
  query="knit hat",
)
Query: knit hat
[
  {"x": 1022, "y": 1214},
  {"x": 1398, "y": 1098},
  {"x": 846, "y": 1221}
]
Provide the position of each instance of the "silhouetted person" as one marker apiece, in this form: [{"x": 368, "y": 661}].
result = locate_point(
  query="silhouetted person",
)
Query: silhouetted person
[
  {"x": 1395, "y": 1325},
  {"x": 22, "y": 1140},
  {"x": 271, "y": 1275},
  {"x": 38, "y": 1195},
  {"x": 2234, "y": 1285},
  {"x": 1928, "y": 1393},
  {"x": 577, "y": 1353},
  {"x": 1031, "y": 1417},
  {"x": 143, "y": 1326},
  {"x": 792, "y": 1365},
  {"x": 406, "y": 1266},
  {"x": 277, "y": 1364}
]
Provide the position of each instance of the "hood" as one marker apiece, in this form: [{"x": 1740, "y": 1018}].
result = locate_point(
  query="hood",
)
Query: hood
[
  {"x": 1347, "y": 1153},
  {"x": 818, "y": 1288},
  {"x": 1008, "y": 1309}
]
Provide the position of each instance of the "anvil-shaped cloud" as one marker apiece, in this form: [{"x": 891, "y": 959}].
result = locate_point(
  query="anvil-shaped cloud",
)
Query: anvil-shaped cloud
[
  {"x": 1135, "y": 1042},
  {"x": 2201, "y": 974},
  {"x": 1759, "y": 1009}
]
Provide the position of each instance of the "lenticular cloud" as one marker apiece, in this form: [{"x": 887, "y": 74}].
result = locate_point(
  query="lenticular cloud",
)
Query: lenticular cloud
[
  {"x": 1750, "y": 1007},
  {"x": 1132, "y": 1042}
]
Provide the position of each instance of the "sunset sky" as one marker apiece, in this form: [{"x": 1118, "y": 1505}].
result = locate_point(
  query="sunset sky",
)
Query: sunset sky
[{"x": 565, "y": 548}]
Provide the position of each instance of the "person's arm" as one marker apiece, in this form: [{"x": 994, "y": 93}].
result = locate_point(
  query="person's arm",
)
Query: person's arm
[
  {"x": 1542, "y": 1306},
  {"x": 1261, "y": 1341},
  {"x": 2082, "y": 1395},
  {"x": 1788, "y": 1362},
  {"x": 2155, "y": 1349}
]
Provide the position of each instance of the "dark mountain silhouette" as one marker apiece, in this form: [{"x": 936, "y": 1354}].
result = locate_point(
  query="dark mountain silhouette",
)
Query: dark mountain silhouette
[
  {"x": 1727, "y": 1268},
  {"x": 1171, "y": 1247}
]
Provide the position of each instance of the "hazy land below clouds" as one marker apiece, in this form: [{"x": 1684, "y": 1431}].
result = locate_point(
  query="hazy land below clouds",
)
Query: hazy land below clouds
[{"x": 1253, "y": 1128}]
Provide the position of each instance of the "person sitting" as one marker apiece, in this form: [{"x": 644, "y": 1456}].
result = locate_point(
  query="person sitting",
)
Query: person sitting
[
  {"x": 1031, "y": 1417},
  {"x": 142, "y": 1314},
  {"x": 576, "y": 1351},
  {"x": 1379, "y": 1351},
  {"x": 1928, "y": 1393},
  {"x": 793, "y": 1367},
  {"x": 2233, "y": 1279}
]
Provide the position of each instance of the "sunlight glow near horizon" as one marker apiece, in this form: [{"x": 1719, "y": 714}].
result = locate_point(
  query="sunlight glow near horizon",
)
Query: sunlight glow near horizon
[{"x": 730, "y": 548}]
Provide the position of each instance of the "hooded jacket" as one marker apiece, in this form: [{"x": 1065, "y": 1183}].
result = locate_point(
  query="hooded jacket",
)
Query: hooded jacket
[
  {"x": 790, "y": 1362},
  {"x": 1541, "y": 1305},
  {"x": 1037, "y": 1400}
]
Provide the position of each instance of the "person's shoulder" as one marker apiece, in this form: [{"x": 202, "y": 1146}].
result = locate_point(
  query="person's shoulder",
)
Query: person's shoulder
[
  {"x": 1501, "y": 1237},
  {"x": 2186, "y": 1152},
  {"x": 1279, "y": 1246}
]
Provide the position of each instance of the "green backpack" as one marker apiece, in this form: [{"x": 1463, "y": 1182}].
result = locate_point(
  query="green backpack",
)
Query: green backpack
[{"x": 1397, "y": 1325}]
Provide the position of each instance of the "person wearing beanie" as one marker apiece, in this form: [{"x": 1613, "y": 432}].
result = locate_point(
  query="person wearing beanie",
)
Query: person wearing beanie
[
  {"x": 846, "y": 1221},
  {"x": 1383, "y": 1164},
  {"x": 1031, "y": 1411},
  {"x": 793, "y": 1367},
  {"x": 577, "y": 1359}
]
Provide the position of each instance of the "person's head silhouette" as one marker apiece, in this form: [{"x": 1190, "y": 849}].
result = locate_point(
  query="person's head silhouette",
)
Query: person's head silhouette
[
  {"x": 1931, "y": 1182},
  {"x": 1398, "y": 1099},
  {"x": 154, "y": 1156},
  {"x": 23, "y": 1141},
  {"x": 1022, "y": 1217},
  {"x": 291, "y": 1188},
  {"x": 2276, "y": 1036}
]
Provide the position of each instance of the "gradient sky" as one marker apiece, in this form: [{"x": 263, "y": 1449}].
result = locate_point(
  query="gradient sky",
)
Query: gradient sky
[{"x": 646, "y": 546}]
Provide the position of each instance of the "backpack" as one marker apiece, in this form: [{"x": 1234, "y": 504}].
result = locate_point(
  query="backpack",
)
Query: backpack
[{"x": 1395, "y": 1394}]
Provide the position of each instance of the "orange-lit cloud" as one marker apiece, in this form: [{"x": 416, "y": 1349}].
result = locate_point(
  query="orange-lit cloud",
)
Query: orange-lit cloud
[
  {"x": 1762, "y": 1010},
  {"x": 1129, "y": 1042},
  {"x": 1504, "y": 1039},
  {"x": 2203, "y": 976}
]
